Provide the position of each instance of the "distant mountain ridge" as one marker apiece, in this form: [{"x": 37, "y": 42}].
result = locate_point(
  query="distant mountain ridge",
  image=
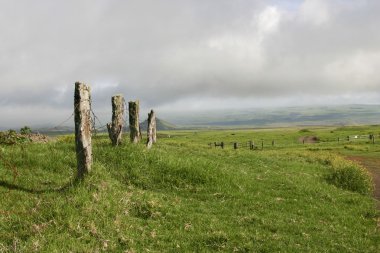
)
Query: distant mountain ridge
[
  {"x": 337, "y": 115},
  {"x": 280, "y": 116},
  {"x": 160, "y": 125}
]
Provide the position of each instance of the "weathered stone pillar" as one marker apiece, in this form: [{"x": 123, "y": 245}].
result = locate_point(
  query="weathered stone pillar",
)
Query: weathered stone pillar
[
  {"x": 115, "y": 128},
  {"x": 134, "y": 125},
  {"x": 151, "y": 132},
  {"x": 82, "y": 118}
]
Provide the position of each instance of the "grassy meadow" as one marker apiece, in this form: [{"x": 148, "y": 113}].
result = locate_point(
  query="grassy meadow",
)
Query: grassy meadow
[{"x": 183, "y": 196}]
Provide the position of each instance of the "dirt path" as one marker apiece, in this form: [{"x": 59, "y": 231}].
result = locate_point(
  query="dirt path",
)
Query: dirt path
[{"x": 373, "y": 166}]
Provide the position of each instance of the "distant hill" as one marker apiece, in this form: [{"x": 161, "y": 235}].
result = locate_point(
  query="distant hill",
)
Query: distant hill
[
  {"x": 54, "y": 130},
  {"x": 279, "y": 117},
  {"x": 161, "y": 125},
  {"x": 338, "y": 115}
]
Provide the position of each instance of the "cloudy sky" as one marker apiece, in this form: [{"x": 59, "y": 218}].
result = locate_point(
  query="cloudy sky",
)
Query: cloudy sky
[{"x": 185, "y": 54}]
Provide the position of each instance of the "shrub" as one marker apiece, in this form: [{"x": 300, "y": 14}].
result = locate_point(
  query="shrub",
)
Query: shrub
[
  {"x": 12, "y": 132},
  {"x": 349, "y": 176},
  {"x": 25, "y": 130},
  {"x": 11, "y": 137},
  {"x": 342, "y": 173}
]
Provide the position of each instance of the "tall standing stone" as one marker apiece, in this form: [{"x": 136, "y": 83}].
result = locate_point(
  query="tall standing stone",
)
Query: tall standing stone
[
  {"x": 134, "y": 125},
  {"x": 82, "y": 118},
  {"x": 115, "y": 128},
  {"x": 151, "y": 131}
]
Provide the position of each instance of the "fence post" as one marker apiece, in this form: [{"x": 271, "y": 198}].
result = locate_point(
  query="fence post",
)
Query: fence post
[
  {"x": 134, "y": 125},
  {"x": 262, "y": 144},
  {"x": 115, "y": 128},
  {"x": 222, "y": 145},
  {"x": 82, "y": 118},
  {"x": 235, "y": 145},
  {"x": 272, "y": 143},
  {"x": 151, "y": 132}
]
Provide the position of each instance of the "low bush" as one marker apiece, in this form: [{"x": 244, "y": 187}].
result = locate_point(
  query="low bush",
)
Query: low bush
[
  {"x": 11, "y": 137},
  {"x": 350, "y": 176},
  {"x": 343, "y": 173},
  {"x": 25, "y": 130}
]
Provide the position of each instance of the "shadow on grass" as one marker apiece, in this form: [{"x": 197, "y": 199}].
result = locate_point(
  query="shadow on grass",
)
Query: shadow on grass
[{"x": 64, "y": 188}]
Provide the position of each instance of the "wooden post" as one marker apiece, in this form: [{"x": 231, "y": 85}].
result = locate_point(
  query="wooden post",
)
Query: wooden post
[
  {"x": 151, "y": 132},
  {"x": 115, "y": 128},
  {"x": 272, "y": 143},
  {"x": 82, "y": 118},
  {"x": 235, "y": 145},
  {"x": 134, "y": 124},
  {"x": 222, "y": 144},
  {"x": 262, "y": 144}
]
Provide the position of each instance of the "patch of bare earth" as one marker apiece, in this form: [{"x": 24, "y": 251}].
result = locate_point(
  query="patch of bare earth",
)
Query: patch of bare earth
[
  {"x": 308, "y": 139},
  {"x": 373, "y": 166}
]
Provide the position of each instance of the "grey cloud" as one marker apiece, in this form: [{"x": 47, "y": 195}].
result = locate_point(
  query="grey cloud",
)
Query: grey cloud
[{"x": 162, "y": 52}]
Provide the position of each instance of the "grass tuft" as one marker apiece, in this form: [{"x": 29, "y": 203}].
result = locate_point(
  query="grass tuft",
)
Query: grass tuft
[{"x": 350, "y": 176}]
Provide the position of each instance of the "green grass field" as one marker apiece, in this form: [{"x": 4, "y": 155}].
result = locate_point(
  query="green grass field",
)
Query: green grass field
[{"x": 183, "y": 196}]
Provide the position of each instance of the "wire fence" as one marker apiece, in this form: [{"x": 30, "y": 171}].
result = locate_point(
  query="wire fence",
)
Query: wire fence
[
  {"x": 268, "y": 143},
  {"x": 96, "y": 124}
]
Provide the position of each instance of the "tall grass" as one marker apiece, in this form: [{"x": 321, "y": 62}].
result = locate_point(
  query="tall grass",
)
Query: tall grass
[{"x": 342, "y": 173}]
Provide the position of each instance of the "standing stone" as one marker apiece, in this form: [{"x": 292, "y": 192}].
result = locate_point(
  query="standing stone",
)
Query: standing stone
[
  {"x": 115, "y": 128},
  {"x": 134, "y": 124},
  {"x": 82, "y": 118},
  {"x": 151, "y": 132}
]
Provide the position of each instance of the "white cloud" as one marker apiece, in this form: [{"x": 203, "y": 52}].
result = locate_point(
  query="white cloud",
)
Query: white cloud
[
  {"x": 359, "y": 69},
  {"x": 268, "y": 20},
  {"x": 316, "y": 12}
]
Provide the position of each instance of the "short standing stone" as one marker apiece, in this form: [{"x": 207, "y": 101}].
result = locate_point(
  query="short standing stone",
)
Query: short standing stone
[
  {"x": 82, "y": 118},
  {"x": 115, "y": 128},
  {"x": 134, "y": 124},
  {"x": 151, "y": 131}
]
